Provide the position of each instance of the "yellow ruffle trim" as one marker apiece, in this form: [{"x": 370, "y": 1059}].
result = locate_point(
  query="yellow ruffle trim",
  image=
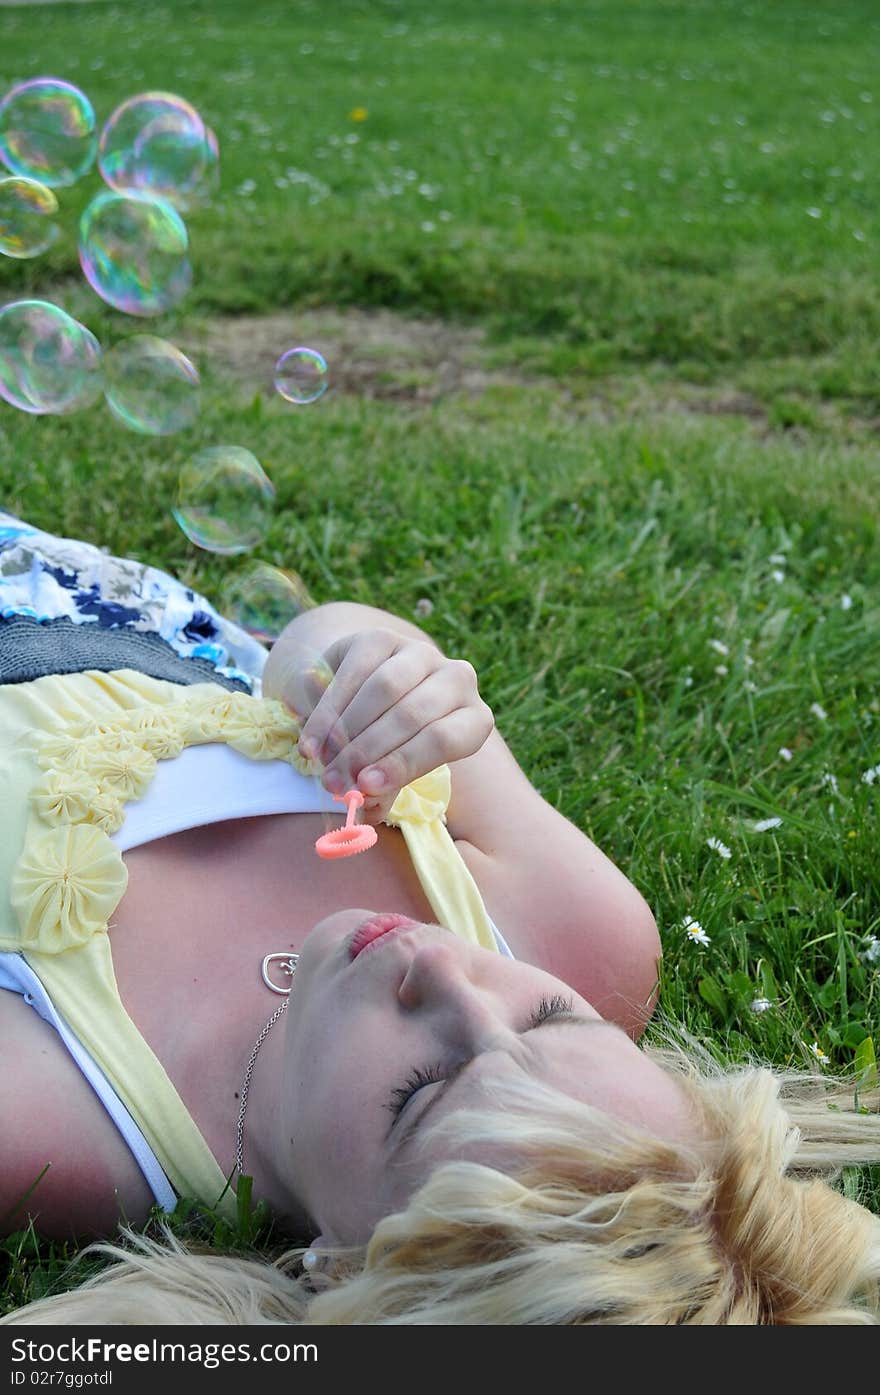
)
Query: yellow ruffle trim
[
  {"x": 67, "y": 884},
  {"x": 71, "y": 877}
]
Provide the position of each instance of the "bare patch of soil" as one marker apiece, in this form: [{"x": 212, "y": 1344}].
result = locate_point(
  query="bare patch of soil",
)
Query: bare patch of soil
[
  {"x": 370, "y": 353},
  {"x": 386, "y": 355}
]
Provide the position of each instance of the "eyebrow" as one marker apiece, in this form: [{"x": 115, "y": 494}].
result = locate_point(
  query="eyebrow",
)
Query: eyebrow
[{"x": 574, "y": 1020}]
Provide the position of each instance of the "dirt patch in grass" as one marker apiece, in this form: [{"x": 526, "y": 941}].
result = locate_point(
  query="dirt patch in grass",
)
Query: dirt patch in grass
[
  {"x": 418, "y": 361},
  {"x": 369, "y": 353}
]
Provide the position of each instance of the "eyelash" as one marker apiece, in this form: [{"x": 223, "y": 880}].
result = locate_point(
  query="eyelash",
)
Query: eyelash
[{"x": 556, "y": 1006}]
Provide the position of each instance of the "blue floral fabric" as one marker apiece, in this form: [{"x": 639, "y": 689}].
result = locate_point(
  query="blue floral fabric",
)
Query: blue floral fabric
[{"x": 46, "y": 577}]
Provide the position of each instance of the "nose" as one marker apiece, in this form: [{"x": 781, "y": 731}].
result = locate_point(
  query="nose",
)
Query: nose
[{"x": 443, "y": 976}]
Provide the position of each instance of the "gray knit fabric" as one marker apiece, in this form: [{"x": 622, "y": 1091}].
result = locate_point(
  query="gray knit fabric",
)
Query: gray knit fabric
[{"x": 31, "y": 648}]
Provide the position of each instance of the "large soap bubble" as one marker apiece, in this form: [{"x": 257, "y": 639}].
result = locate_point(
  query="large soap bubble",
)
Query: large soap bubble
[
  {"x": 27, "y": 210},
  {"x": 133, "y": 250},
  {"x": 48, "y": 131},
  {"x": 157, "y": 144},
  {"x": 301, "y": 376},
  {"x": 264, "y": 599},
  {"x": 150, "y": 386},
  {"x": 224, "y": 500},
  {"x": 49, "y": 362}
]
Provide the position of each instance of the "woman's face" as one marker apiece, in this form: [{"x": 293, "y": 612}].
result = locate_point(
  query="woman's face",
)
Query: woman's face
[{"x": 409, "y": 1030}]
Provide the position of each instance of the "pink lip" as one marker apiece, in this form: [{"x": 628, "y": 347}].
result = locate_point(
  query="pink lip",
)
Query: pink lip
[{"x": 374, "y": 929}]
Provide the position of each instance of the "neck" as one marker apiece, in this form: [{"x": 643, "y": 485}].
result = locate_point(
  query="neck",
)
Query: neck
[{"x": 266, "y": 1141}]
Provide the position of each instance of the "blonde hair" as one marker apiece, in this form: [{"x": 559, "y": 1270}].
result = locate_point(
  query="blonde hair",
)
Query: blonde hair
[{"x": 597, "y": 1222}]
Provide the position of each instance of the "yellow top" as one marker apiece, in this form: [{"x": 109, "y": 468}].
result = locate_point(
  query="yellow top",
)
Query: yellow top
[{"x": 74, "y": 748}]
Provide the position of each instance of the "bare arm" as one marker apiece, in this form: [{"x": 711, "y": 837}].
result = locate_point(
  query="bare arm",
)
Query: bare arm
[{"x": 590, "y": 925}]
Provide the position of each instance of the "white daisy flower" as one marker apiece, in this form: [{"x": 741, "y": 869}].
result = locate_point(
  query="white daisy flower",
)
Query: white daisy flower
[
  {"x": 721, "y": 670},
  {"x": 819, "y": 1054},
  {"x": 845, "y": 602},
  {"x": 779, "y": 559},
  {"x": 829, "y": 779},
  {"x": 785, "y": 753},
  {"x": 718, "y": 646},
  {"x": 717, "y": 846},
  {"x": 695, "y": 931},
  {"x": 819, "y": 711},
  {"x": 871, "y": 775},
  {"x": 760, "y": 1005},
  {"x": 763, "y": 824},
  {"x": 778, "y": 576},
  {"x": 871, "y": 955},
  {"x": 424, "y": 606}
]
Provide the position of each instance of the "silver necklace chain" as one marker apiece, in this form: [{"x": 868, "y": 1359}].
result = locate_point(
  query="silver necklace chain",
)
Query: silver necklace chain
[{"x": 289, "y": 966}]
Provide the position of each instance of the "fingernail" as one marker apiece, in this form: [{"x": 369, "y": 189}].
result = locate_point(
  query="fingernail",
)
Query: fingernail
[
  {"x": 372, "y": 779},
  {"x": 334, "y": 783},
  {"x": 308, "y": 749}
]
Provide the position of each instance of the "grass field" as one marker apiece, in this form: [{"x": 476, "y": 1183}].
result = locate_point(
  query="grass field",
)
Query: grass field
[{"x": 598, "y": 288}]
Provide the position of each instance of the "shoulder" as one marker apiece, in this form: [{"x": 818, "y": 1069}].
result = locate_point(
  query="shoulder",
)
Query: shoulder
[
  {"x": 563, "y": 906},
  {"x": 62, "y": 1160}
]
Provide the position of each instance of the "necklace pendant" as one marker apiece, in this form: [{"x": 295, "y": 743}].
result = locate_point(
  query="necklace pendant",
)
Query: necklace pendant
[{"x": 286, "y": 965}]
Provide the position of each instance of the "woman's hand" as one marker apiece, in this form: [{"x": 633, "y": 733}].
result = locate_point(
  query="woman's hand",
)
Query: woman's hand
[{"x": 395, "y": 705}]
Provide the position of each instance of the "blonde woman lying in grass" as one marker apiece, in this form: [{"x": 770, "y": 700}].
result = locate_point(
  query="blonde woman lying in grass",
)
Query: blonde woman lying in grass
[{"x": 450, "y": 1116}]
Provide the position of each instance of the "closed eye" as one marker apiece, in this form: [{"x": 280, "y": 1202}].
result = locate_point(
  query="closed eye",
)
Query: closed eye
[{"x": 547, "y": 1009}]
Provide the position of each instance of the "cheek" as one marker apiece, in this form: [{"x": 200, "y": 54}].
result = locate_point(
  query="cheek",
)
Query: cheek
[{"x": 330, "y": 1115}]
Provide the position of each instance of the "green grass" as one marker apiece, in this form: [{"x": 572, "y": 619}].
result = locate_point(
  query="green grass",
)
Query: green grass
[
  {"x": 589, "y": 564},
  {"x": 607, "y": 184}
]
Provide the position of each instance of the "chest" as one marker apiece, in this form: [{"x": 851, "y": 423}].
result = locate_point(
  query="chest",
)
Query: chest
[{"x": 203, "y": 907}]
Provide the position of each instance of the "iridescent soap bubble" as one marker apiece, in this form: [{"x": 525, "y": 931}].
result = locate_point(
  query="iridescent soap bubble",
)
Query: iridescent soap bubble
[
  {"x": 263, "y": 599},
  {"x": 133, "y": 251},
  {"x": 224, "y": 500},
  {"x": 26, "y": 212},
  {"x": 150, "y": 386},
  {"x": 301, "y": 376},
  {"x": 48, "y": 131},
  {"x": 49, "y": 362},
  {"x": 156, "y": 143}
]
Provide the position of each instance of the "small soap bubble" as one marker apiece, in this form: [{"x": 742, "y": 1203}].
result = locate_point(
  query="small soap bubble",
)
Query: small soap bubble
[
  {"x": 150, "y": 386},
  {"x": 133, "y": 250},
  {"x": 26, "y": 212},
  {"x": 307, "y": 676},
  {"x": 49, "y": 362},
  {"x": 301, "y": 376},
  {"x": 48, "y": 131},
  {"x": 264, "y": 599},
  {"x": 157, "y": 144},
  {"x": 224, "y": 500}
]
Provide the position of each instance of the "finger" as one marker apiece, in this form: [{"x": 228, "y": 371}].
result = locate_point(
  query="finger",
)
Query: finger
[
  {"x": 453, "y": 736},
  {"x": 423, "y": 706},
  {"x": 371, "y": 679},
  {"x": 350, "y": 661},
  {"x": 300, "y": 680}
]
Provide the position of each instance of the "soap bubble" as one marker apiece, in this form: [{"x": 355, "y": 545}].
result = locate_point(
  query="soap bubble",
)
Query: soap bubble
[
  {"x": 47, "y": 131},
  {"x": 49, "y": 362},
  {"x": 211, "y": 178},
  {"x": 157, "y": 144},
  {"x": 150, "y": 386},
  {"x": 263, "y": 599},
  {"x": 301, "y": 376},
  {"x": 307, "y": 676},
  {"x": 26, "y": 211},
  {"x": 133, "y": 251},
  {"x": 224, "y": 500}
]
